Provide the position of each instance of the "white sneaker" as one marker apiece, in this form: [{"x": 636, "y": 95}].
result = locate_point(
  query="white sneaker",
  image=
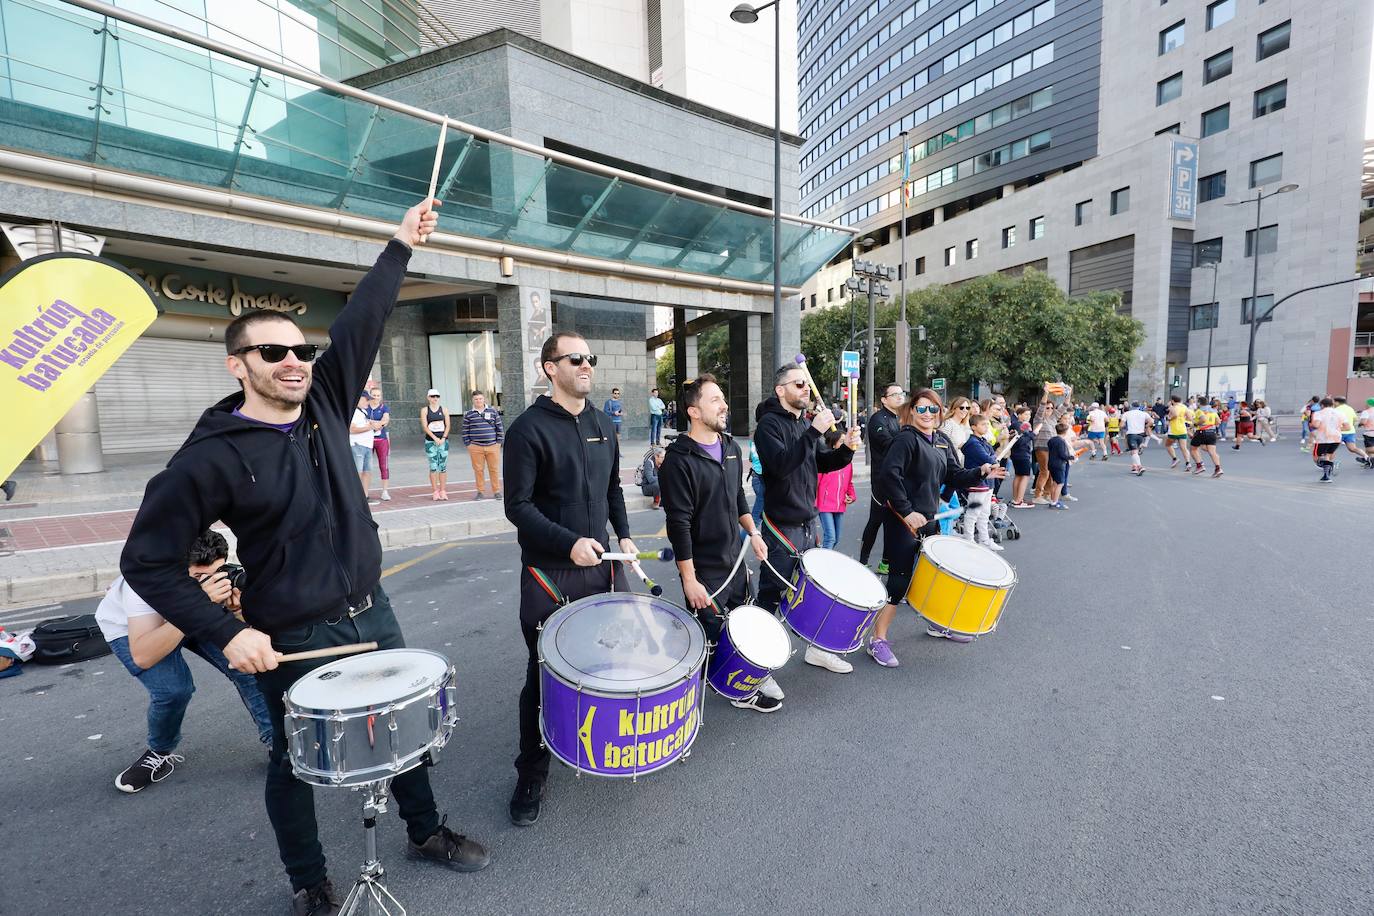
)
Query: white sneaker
[
  {"x": 1072, "y": 499},
  {"x": 770, "y": 689},
  {"x": 993, "y": 545},
  {"x": 827, "y": 660},
  {"x": 1041, "y": 501},
  {"x": 386, "y": 497}
]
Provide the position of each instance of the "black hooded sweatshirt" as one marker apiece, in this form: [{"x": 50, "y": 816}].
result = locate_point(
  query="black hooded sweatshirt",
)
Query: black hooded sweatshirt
[
  {"x": 562, "y": 481},
  {"x": 916, "y": 469},
  {"x": 792, "y": 453},
  {"x": 703, "y": 500},
  {"x": 305, "y": 536}
]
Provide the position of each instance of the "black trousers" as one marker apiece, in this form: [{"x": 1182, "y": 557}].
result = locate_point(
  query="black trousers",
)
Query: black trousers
[
  {"x": 902, "y": 550},
  {"x": 782, "y": 558},
  {"x": 731, "y": 597},
  {"x": 290, "y": 802},
  {"x": 876, "y": 512},
  {"x": 536, "y": 606}
]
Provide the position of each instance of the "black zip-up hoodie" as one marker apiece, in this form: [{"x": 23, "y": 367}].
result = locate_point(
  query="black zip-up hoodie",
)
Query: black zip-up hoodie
[
  {"x": 882, "y": 429},
  {"x": 562, "y": 481},
  {"x": 305, "y": 536},
  {"x": 703, "y": 500},
  {"x": 792, "y": 453},
  {"x": 915, "y": 470}
]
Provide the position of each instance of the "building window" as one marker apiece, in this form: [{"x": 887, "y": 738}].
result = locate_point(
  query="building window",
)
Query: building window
[
  {"x": 830, "y": 294},
  {"x": 1210, "y": 187},
  {"x": 1216, "y": 120},
  {"x": 1222, "y": 11},
  {"x": 1082, "y": 212},
  {"x": 1273, "y": 41},
  {"x": 1271, "y": 99},
  {"x": 1266, "y": 171},
  {"x": 1203, "y": 316},
  {"x": 1121, "y": 200},
  {"x": 1037, "y": 228},
  {"x": 1009, "y": 237},
  {"x": 1266, "y": 309},
  {"x": 951, "y": 256},
  {"x": 1169, "y": 88},
  {"x": 1171, "y": 38},
  {"x": 918, "y": 267},
  {"x": 1268, "y": 240},
  {"x": 1217, "y": 66},
  {"x": 1171, "y": 129},
  {"x": 1207, "y": 251},
  {"x": 970, "y": 249},
  {"x": 813, "y": 300}
]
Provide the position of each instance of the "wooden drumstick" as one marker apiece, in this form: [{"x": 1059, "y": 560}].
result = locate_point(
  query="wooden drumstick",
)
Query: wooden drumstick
[
  {"x": 349, "y": 649},
  {"x": 816, "y": 392}
]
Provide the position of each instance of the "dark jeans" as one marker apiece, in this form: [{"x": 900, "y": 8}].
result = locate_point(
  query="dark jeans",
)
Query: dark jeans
[
  {"x": 782, "y": 559},
  {"x": 536, "y": 606},
  {"x": 876, "y": 512},
  {"x": 737, "y": 593},
  {"x": 757, "y": 480},
  {"x": 902, "y": 551},
  {"x": 170, "y": 688},
  {"x": 290, "y": 802},
  {"x": 655, "y": 428}
]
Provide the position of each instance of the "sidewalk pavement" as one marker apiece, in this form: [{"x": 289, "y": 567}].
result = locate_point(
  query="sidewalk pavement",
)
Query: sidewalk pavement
[{"x": 61, "y": 537}]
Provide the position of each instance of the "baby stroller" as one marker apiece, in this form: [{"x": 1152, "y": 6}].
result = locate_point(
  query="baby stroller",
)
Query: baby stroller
[{"x": 1001, "y": 527}]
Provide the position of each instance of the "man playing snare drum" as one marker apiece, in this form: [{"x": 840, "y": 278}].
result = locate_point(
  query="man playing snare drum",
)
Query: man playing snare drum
[
  {"x": 562, "y": 470},
  {"x": 702, "y": 481},
  {"x": 273, "y": 462}
]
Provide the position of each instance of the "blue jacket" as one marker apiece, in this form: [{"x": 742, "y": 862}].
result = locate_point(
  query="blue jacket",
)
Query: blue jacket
[{"x": 977, "y": 452}]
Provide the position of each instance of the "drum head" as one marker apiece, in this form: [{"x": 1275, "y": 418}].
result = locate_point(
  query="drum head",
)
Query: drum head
[
  {"x": 969, "y": 561},
  {"x": 843, "y": 578},
  {"x": 369, "y": 679},
  {"x": 622, "y": 642},
  {"x": 759, "y": 636}
]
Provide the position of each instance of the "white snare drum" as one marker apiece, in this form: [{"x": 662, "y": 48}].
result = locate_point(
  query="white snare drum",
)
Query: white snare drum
[{"x": 369, "y": 717}]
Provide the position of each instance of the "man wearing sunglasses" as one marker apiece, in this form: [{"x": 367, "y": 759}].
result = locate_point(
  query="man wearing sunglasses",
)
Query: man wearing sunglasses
[
  {"x": 882, "y": 428},
  {"x": 273, "y": 462},
  {"x": 793, "y": 453},
  {"x": 562, "y": 470}
]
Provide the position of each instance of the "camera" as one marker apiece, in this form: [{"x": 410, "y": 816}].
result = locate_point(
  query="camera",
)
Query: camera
[{"x": 235, "y": 573}]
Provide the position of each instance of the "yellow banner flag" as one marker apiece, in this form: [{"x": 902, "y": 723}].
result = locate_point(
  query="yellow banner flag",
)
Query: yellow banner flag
[{"x": 64, "y": 320}]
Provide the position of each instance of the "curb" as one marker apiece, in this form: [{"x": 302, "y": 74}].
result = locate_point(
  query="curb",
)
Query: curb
[{"x": 90, "y": 582}]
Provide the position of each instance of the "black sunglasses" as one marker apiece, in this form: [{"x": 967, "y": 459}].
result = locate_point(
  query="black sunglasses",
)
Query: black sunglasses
[
  {"x": 577, "y": 359},
  {"x": 275, "y": 353}
]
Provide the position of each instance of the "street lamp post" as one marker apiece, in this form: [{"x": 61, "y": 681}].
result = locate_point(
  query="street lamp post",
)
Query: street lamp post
[
  {"x": 747, "y": 15},
  {"x": 867, "y": 278},
  {"x": 903, "y": 330},
  {"x": 1258, "y": 201}
]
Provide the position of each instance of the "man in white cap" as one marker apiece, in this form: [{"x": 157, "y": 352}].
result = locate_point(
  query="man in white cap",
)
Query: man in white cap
[{"x": 1097, "y": 430}]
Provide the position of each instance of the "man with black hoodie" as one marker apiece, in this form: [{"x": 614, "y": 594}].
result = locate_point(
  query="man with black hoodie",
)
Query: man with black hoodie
[
  {"x": 793, "y": 453},
  {"x": 562, "y": 468},
  {"x": 882, "y": 429},
  {"x": 273, "y": 462},
  {"x": 702, "y": 480}
]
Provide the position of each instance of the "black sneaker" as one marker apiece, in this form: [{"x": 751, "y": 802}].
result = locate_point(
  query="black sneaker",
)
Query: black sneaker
[
  {"x": 8, "y": 487},
  {"x": 759, "y": 703},
  {"x": 319, "y": 900},
  {"x": 451, "y": 849},
  {"x": 524, "y": 804},
  {"x": 149, "y": 768}
]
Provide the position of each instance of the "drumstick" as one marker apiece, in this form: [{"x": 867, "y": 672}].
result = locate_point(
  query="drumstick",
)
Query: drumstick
[
  {"x": 801, "y": 364},
  {"x": 438, "y": 157},
  {"x": 654, "y": 588},
  {"x": 665, "y": 554},
  {"x": 349, "y": 649}
]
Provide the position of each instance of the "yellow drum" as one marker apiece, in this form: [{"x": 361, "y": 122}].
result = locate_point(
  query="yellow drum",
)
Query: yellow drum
[{"x": 959, "y": 586}]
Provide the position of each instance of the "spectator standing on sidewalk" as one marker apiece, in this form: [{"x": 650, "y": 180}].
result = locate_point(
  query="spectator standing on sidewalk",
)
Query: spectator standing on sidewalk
[
  {"x": 648, "y": 475},
  {"x": 656, "y": 411},
  {"x": 615, "y": 409},
  {"x": 150, "y": 649},
  {"x": 8, "y": 487},
  {"x": 360, "y": 435},
  {"x": 483, "y": 435},
  {"x": 434, "y": 420},
  {"x": 756, "y": 480},
  {"x": 381, "y": 438}
]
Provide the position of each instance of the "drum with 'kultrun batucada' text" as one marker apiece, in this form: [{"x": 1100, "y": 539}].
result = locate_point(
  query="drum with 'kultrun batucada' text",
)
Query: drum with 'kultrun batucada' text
[{"x": 620, "y": 683}]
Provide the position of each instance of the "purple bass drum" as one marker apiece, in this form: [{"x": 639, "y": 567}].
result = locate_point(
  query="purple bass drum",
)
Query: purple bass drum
[
  {"x": 752, "y": 646},
  {"x": 832, "y": 600},
  {"x": 620, "y": 683}
]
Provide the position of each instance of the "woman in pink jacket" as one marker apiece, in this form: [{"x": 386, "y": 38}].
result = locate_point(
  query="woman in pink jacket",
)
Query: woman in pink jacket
[{"x": 834, "y": 491}]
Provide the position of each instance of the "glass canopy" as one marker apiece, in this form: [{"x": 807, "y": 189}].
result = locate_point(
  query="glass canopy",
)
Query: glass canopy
[{"x": 76, "y": 85}]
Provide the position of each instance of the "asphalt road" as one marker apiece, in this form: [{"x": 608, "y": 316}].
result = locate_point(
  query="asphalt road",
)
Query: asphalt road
[{"x": 1175, "y": 717}]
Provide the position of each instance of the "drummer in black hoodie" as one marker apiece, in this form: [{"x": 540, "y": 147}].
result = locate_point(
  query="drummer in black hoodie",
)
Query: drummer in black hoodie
[
  {"x": 562, "y": 469},
  {"x": 793, "y": 453},
  {"x": 702, "y": 480},
  {"x": 272, "y": 461}
]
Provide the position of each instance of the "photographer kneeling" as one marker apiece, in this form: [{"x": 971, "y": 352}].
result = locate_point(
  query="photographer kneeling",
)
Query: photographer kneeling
[{"x": 150, "y": 648}]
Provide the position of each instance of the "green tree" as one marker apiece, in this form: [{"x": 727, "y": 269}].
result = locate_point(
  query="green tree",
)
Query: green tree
[{"x": 663, "y": 374}]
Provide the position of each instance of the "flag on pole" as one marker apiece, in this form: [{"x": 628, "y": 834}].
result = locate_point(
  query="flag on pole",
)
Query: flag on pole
[{"x": 906, "y": 176}]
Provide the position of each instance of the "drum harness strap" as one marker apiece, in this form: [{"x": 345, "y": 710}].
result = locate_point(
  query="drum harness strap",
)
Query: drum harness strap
[
  {"x": 782, "y": 539},
  {"x": 553, "y": 591}
]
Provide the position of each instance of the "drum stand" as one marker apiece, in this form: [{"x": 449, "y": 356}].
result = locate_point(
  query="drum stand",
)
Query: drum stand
[{"x": 369, "y": 894}]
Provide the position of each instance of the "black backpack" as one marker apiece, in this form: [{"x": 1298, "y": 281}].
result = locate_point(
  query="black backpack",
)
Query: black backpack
[{"x": 68, "y": 639}]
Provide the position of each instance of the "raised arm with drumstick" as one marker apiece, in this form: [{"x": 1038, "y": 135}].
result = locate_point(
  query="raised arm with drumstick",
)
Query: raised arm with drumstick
[{"x": 273, "y": 462}]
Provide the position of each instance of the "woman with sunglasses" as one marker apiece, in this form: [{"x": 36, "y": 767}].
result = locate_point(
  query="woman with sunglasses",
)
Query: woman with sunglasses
[
  {"x": 955, "y": 424},
  {"x": 919, "y": 464},
  {"x": 434, "y": 420}
]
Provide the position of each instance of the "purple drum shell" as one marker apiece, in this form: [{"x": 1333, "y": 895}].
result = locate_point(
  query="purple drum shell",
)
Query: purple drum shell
[
  {"x": 819, "y": 617},
  {"x": 731, "y": 672}
]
